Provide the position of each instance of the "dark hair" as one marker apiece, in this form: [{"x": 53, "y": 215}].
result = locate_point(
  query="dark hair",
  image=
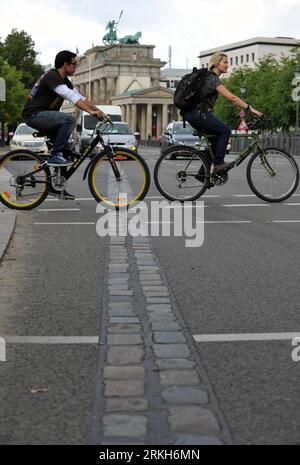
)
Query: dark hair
[{"x": 63, "y": 57}]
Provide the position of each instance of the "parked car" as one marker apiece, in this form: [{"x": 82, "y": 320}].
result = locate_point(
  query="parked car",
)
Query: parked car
[
  {"x": 120, "y": 135},
  {"x": 23, "y": 139},
  {"x": 176, "y": 134}
]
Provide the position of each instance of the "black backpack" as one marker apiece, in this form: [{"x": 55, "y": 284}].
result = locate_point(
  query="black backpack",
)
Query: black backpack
[{"x": 189, "y": 91}]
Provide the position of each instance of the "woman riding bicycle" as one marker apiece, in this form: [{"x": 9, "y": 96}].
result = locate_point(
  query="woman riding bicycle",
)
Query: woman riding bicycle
[{"x": 201, "y": 117}]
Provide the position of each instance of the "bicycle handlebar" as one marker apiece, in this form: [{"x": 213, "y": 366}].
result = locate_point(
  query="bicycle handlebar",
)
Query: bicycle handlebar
[{"x": 255, "y": 121}]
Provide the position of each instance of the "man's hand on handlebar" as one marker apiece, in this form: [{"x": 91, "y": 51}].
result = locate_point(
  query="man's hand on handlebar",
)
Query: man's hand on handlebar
[{"x": 101, "y": 116}]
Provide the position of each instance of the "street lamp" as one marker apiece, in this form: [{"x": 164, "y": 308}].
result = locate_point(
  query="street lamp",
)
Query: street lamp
[
  {"x": 243, "y": 89},
  {"x": 297, "y": 80}
]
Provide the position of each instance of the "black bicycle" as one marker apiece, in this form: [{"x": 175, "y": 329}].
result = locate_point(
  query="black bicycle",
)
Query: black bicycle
[
  {"x": 184, "y": 173},
  {"x": 116, "y": 176}
]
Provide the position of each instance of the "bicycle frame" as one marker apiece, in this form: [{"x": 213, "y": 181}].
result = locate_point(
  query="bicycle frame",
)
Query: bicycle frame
[
  {"x": 71, "y": 170},
  {"x": 244, "y": 153}
]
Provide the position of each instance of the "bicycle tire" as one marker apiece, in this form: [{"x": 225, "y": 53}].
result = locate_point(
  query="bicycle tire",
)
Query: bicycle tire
[
  {"x": 280, "y": 172},
  {"x": 14, "y": 164},
  {"x": 173, "y": 154},
  {"x": 135, "y": 180}
]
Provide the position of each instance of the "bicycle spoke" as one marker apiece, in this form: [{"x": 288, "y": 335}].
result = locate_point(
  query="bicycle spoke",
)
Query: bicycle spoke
[
  {"x": 132, "y": 185},
  {"x": 273, "y": 176},
  {"x": 20, "y": 187},
  {"x": 181, "y": 174}
]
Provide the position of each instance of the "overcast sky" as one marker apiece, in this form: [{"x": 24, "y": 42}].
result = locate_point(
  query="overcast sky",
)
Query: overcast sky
[{"x": 189, "y": 26}]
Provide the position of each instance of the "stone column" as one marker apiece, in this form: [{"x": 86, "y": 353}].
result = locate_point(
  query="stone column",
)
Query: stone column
[
  {"x": 96, "y": 88},
  {"x": 110, "y": 91},
  {"x": 82, "y": 90},
  {"x": 143, "y": 122},
  {"x": 91, "y": 90},
  {"x": 164, "y": 116},
  {"x": 102, "y": 91},
  {"x": 128, "y": 114},
  {"x": 124, "y": 116},
  {"x": 133, "y": 117},
  {"x": 149, "y": 120},
  {"x": 159, "y": 120}
]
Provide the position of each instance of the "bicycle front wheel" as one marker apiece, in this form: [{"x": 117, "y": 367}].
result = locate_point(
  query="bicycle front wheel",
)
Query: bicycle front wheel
[
  {"x": 23, "y": 180},
  {"x": 132, "y": 186},
  {"x": 273, "y": 174},
  {"x": 182, "y": 173}
]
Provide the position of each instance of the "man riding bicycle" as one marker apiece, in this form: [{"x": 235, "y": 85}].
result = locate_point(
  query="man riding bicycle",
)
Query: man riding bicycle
[{"x": 41, "y": 111}]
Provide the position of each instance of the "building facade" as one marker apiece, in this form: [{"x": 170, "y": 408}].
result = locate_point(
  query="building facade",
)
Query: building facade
[
  {"x": 249, "y": 52},
  {"x": 170, "y": 77},
  {"x": 148, "y": 111},
  {"x": 129, "y": 76}
]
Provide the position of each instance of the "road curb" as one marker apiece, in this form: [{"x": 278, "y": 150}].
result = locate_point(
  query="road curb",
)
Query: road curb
[{"x": 7, "y": 226}]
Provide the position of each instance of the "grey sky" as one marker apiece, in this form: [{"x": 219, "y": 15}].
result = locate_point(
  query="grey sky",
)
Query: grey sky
[{"x": 189, "y": 26}]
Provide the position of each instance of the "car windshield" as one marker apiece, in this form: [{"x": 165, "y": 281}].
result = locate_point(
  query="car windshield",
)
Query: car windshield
[
  {"x": 90, "y": 122},
  {"x": 118, "y": 128},
  {"x": 23, "y": 129},
  {"x": 179, "y": 129}
]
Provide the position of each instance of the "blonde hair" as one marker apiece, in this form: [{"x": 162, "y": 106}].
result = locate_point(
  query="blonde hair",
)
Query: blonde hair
[{"x": 215, "y": 59}]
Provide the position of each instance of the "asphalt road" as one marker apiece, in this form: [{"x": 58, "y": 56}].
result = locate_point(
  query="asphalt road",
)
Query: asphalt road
[
  {"x": 244, "y": 279},
  {"x": 51, "y": 285}
]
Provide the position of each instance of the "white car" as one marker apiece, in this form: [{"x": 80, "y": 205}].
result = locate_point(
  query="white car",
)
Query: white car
[
  {"x": 119, "y": 135},
  {"x": 23, "y": 139}
]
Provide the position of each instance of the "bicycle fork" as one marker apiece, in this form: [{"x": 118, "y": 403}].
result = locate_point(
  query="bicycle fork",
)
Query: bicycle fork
[{"x": 113, "y": 164}]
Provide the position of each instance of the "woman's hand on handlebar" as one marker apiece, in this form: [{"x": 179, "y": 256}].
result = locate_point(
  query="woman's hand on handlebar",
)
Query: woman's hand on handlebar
[{"x": 256, "y": 113}]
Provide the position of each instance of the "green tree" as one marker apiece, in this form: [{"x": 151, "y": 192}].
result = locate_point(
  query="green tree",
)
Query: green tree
[
  {"x": 18, "y": 50},
  {"x": 268, "y": 89},
  {"x": 11, "y": 109}
]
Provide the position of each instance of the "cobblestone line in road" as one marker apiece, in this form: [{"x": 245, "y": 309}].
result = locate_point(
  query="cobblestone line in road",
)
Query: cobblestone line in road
[{"x": 153, "y": 388}]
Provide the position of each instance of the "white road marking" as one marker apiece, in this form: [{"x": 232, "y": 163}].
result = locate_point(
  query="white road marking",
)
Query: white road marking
[
  {"x": 76, "y": 198},
  {"x": 245, "y": 337},
  {"x": 58, "y": 209},
  {"x": 247, "y": 205},
  {"x": 46, "y": 224},
  {"x": 52, "y": 339},
  {"x": 286, "y": 221},
  {"x": 200, "y": 222},
  {"x": 224, "y": 222}
]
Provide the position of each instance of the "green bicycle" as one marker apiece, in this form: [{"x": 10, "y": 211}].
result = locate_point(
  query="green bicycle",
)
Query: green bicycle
[
  {"x": 116, "y": 176},
  {"x": 184, "y": 173}
]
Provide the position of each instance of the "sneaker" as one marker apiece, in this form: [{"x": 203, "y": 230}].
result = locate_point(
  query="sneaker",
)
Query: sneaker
[
  {"x": 64, "y": 195},
  {"x": 68, "y": 196},
  {"x": 58, "y": 160},
  {"x": 223, "y": 166},
  {"x": 201, "y": 175}
]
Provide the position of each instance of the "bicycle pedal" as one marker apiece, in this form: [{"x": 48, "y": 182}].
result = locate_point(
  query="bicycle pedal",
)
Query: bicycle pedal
[{"x": 210, "y": 185}]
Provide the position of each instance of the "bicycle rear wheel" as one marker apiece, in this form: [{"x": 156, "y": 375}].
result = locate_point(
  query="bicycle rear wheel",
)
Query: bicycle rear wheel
[
  {"x": 182, "y": 173},
  {"x": 132, "y": 186},
  {"x": 23, "y": 182},
  {"x": 273, "y": 174}
]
